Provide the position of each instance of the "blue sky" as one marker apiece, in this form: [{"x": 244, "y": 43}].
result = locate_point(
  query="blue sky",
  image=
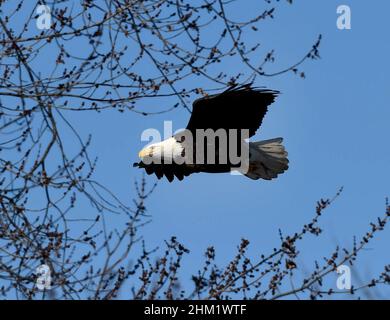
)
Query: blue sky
[
  {"x": 336, "y": 128},
  {"x": 335, "y": 125}
]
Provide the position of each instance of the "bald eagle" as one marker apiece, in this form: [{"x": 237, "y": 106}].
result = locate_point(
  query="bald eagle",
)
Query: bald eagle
[{"x": 239, "y": 110}]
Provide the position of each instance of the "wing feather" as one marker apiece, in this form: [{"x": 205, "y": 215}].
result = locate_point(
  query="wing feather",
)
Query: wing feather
[
  {"x": 170, "y": 171},
  {"x": 241, "y": 107}
]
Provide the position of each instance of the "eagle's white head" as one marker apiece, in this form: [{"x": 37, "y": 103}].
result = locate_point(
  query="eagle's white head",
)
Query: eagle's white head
[{"x": 166, "y": 150}]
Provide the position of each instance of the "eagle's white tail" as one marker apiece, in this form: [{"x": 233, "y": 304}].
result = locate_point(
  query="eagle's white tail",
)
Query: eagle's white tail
[{"x": 267, "y": 159}]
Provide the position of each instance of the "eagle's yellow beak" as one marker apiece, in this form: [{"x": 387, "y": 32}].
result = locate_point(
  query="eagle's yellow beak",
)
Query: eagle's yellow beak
[{"x": 143, "y": 153}]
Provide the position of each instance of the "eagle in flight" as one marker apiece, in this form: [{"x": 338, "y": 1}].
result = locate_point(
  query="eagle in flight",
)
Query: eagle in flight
[{"x": 239, "y": 110}]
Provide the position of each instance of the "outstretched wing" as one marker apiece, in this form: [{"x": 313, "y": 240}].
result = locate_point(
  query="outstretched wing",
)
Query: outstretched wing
[{"x": 236, "y": 108}]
